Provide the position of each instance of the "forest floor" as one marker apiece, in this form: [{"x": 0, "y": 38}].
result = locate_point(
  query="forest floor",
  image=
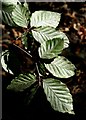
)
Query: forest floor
[{"x": 73, "y": 24}]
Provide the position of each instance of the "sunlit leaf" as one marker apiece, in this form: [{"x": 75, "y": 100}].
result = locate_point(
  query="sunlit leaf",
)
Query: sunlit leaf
[
  {"x": 58, "y": 95},
  {"x": 4, "y": 58},
  {"x": 45, "y": 18},
  {"x": 61, "y": 67},
  {"x": 26, "y": 5},
  {"x": 42, "y": 34},
  {"x": 51, "y": 48},
  {"x": 21, "y": 16},
  {"x": 10, "y": 2}
]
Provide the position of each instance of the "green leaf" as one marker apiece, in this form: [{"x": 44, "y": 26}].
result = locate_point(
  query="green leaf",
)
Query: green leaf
[
  {"x": 42, "y": 34},
  {"x": 8, "y": 5},
  {"x": 51, "y": 48},
  {"x": 45, "y": 18},
  {"x": 26, "y": 6},
  {"x": 22, "y": 82},
  {"x": 10, "y": 2},
  {"x": 21, "y": 16},
  {"x": 4, "y": 58},
  {"x": 58, "y": 95},
  {"x": 42, "y": 69},
  {"x": 7, "y": 18},
  {"x": 61, "y": 67},
  {"x": 7, "y": 8},
  {"x": 64, "y": 37}
]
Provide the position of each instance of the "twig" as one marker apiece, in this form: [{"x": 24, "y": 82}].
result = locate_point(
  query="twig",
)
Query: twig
[
  {"x": 38, "y": 74},
  {"x": 23, "y": 50}
]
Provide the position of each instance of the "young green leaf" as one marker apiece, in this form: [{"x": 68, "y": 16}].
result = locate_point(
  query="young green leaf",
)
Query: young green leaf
[
  {"x": 51, "y": 48},
  {"x": 45, "y": 18},
  {"x": 21, "y": 16},
  {"x": 22, "y": 82},
  {"x": 61, "y": 67},
  {"x": 58, "y": 95},
  {"x": 42, "y": 34}
]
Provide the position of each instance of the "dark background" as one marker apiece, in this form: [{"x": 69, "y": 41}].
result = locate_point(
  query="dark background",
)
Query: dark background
[{"x": 73, "y": 24}]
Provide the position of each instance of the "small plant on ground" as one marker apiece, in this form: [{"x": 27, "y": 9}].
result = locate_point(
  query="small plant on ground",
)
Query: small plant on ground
[{"x": 40, "y": 53}]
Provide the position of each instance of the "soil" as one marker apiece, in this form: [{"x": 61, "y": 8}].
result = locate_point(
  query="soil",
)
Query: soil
[{"x": 73, "y": 24}]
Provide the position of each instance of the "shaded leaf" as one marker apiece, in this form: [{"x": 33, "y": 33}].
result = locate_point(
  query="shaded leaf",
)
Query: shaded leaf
[
  {"x": 45, "y": 18},
  {"x": 31, "y": 94},
  {"x": 61, "y": 67},
  {"x": 58, "y": 95},
  {"x": 51, "y": 48},
  {"x": 21, "y": 16},
  {"x": 22, "y": 82}
]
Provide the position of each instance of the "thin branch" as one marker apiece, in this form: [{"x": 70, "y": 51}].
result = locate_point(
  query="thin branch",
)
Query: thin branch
[
  {"x": 38, "y": 74},
  {"x": 23, "y": 50}
]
